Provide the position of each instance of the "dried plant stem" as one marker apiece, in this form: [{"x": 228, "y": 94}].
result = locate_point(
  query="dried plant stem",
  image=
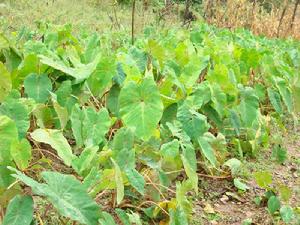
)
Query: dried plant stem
[
  {"x": 281, "y": 17},
  {"x": 294, "y": 14},
  {"x": 132, "y": 22}
]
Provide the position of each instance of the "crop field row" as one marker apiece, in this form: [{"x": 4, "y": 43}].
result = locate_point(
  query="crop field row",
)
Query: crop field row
[{"x": 95, "y": 130}]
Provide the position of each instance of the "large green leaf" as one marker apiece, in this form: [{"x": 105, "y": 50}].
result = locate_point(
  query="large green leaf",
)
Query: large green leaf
[
  {"x": 136, "y": 180},
  {"x": 101, "y": 78},
  {"x": 61, "y": 112},
  {"x": 8, "y": 134},
  {"x": 95, "y": 126},
  {"x": 77, "y": 118},
  {"x": 113, "y": 100},
  {"x": 63, "y": 92},
  {"x": 222, "y": 75},
  {"x": 190, "y": 172},
  {"x": 125, "y": 158},
  {"x": 89, "y": 126},
  {"x": 67, "y": 195},
  {"x": 189, "y": 153},
  {"x": 21, "y": 153},
  {"x": 183, "y": 203},
  {"x": 193, "y": 123},
  {"x": 43, "y": 115},
  {"x": 141, "y": 106},
  {"x": 177, "y": 217},
  {"x": 29, "y": 65},
  {"x": 219, "y": 99},
  {"x": 57, "y": 141},
  {"x": 249, "y": 106},
  {"x": 170, "y": 149},
  {"x": 12, "y": 59},
  {"x": 38, "y": 87},
  {"x": 19, "y": 211},
  {"x": 80, "y": 72},
  {"x": 124, "y": 138},
  {"x": 85, "y": 160},
  {"x": 5, "y": 82},
  {"x": 275, "y": 100},
  {"x": 92, "y": 47},
  {"x": 235, "y": 121},
  {"x": 207, "y": 151},
  {"x": 273, "y": 204},
  {"x": 5, "y": 177},
  {"x": 285, "y": 93},
  {"x": 16, "y": 110}
]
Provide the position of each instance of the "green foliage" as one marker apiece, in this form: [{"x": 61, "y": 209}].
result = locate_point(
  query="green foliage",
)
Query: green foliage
[
  {"x": 279, "y": 154},
  {"x": 263, "y": 179},
  {"x": 21, "y": 153},
  {"x": 134, "y": 120},
  {"x": 273, "y": 204},
  {"x": 38, "y": 87},
  {"x": 275, "y": 196},
  {"x": 240, "y": 185},
  {"x": 287, "y": 214},
  {"x": 5, "y": 82},
  {"x": 17, "y": 109},
  {"x": 19, "y": 211},
  {"x": 66, "y": 194},
  {"x": 57, "y": 141},
  {"x": 141, "y": 107}
]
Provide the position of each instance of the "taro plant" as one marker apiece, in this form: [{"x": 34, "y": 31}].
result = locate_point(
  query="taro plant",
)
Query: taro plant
[{"x": 99, "y": 128}]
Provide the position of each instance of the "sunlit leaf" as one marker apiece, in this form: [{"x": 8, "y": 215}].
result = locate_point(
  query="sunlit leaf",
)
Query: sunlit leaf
[
  {"x": 57, "y": 141},
  {"x": 263, "y": 179},
  {"x": 141, "y": 107}
]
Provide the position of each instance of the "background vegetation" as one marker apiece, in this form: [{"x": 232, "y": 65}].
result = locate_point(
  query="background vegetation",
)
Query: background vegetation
[{"x": 273, "y": 18}]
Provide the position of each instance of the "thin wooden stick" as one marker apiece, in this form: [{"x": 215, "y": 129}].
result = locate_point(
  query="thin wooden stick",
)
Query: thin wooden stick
[
  {"x": 281, "y": 17},
  {"x": 213, "y": 177},
  {"x": 132, "y": 22},
  {"x": 294, "y": 14}
]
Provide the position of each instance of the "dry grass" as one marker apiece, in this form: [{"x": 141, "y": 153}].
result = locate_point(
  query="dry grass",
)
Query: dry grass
[
  {"x": 95, "y": 15},
  {"x": 102, "y": 15},
  {"x": 242, "y": 13}
]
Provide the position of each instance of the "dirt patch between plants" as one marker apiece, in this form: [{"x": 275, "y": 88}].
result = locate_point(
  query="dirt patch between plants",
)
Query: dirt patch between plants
[{"x": 221, "y": 203}]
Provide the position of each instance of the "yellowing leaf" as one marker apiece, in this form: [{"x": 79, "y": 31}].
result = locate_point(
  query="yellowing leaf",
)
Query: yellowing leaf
[{"x": 57, "y": 141}]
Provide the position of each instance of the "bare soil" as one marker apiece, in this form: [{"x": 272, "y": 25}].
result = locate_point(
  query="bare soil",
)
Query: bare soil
[{"x": 221, "y": 203}]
